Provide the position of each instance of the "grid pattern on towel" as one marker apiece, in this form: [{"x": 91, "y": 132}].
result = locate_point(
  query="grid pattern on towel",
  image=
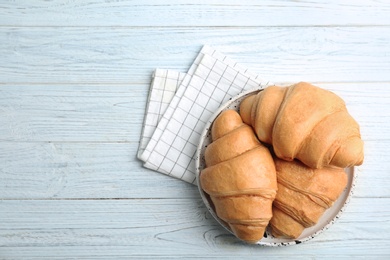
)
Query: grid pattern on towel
[
  {"x": 173, "y": 145},
  {"x": 144, "y": 156},
  {"x": 162, "y": 89}
]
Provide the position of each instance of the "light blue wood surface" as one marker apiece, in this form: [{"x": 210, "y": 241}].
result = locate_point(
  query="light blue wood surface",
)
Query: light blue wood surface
[{"x": 74, "y": 80}]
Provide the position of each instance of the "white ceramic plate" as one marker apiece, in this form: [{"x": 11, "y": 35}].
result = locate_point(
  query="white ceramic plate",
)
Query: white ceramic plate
[{"x": 327, "y": 219}]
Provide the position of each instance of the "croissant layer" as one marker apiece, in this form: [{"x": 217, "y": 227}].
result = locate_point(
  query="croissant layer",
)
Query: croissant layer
[
  {"x": 239, "y": 177},
  {"x": 283, "y": 225},
  {"x": 307, "y": 123},
  {"x": 304, "y": 194}
]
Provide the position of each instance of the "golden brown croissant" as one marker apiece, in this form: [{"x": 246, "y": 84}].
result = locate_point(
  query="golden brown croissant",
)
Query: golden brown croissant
[
  {"x": 303, "y": 195},
  {"x": 305, "y": 122},
  {"x": 283, "y": 225},
  {"x": 239, "y": 177}
]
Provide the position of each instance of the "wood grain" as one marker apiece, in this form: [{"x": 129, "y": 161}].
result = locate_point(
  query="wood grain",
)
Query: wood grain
[
  {"x": 81, "y": 170},
  {"x": 123, "y": 55},
  {"x": 114, "y": 113},
  {"x": 105, "y": 113},
  {"x": 189, "y": 13},
  {"x": 158, "y": 228},
  {"x": 74, "y": 79}
]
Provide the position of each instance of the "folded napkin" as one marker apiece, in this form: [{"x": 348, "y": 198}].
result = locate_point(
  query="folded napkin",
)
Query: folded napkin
[
  {"x": 162, "y": 89},
  {"x": 211, "y": 81}
]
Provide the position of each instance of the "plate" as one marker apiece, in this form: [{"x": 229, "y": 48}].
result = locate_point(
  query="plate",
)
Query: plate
[{"x": 326, "y": 220}]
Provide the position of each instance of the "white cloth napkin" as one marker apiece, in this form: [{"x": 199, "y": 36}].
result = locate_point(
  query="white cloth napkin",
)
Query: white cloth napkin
[
  {"x": 211, "y": 81},
  {"x": 162, "y": 89}
]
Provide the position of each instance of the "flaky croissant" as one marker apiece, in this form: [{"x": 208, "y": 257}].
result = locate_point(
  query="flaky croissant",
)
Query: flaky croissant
[
  {"x": 239, "y": 177},
  {"x": 303, "y": 196},
  {"x": 305, "y": 122}
]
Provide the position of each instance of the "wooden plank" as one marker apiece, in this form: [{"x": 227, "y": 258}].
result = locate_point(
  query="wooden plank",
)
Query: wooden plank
[
  {"x": 190, "y": 13},
  {"x": 167, "y": 228},
  {"x": 42, "y": 170},
  {"x": 114, "y": 113},
  {"x": 81, "y": 170},
  {"x": 74, "y": 78},
  {"x": 124, "y": 55},
  {"x": 108, "y": 113}
]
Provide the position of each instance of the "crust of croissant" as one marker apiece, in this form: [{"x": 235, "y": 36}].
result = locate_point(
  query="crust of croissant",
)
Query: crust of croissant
[
  {"x": 301, "y": 109},
  {"x": 303, "y": 195},
  {"x": 246, "y": 108},
  {"x": 252, "y": 172},
  {"x": 251, "y": 233},
  {"x": 243, "y": 209},
  {"x": 349, "y": 153},
  {"x": 225, "y": 124},
  {"x": 282, "y": 225},
  {"x": 312, "y": 151},
  {"x": 260, "y": 111},
  {"x": 323, "y": 186},
  {"x": 296, "y": 118},
  {"x": 230, "y": 145},
  {"x": 265, "y": 113},
  {"x": 298, "y": 206},
  {"x": 240, "y": 177}
]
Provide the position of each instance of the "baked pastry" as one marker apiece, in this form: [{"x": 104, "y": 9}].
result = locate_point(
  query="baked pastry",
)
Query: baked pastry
[
  {"x": 307, "y": 123},
  {"x": 284, "y": 226},
  {"x": 239, "y": 177},
  {"x": 303, "y": 195}
]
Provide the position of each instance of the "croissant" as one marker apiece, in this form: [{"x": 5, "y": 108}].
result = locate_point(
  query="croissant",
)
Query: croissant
[
  {"x": 239, "y": 177},
  {"x": 282, "y": 225},
  {"x": 307, "y": 123},
  {"x": 303, "y": 196}
]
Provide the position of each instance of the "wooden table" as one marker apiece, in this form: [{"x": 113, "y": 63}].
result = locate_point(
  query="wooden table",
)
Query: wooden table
[{"x": 74, "y": 80}]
